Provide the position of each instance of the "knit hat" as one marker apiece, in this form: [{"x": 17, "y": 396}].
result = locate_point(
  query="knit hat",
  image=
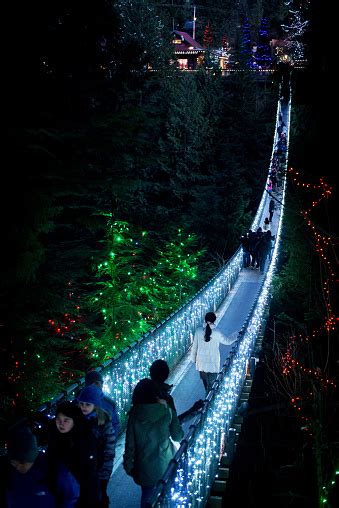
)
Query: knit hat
[
  {"x": 71, "y": 410},
  {"x": 93, "y": 376},
  {"x": 92, "y": 395},
  {"x": 22, "y": 446}
]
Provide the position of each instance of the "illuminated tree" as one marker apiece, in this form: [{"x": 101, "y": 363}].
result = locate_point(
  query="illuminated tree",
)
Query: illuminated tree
[
  {"x": 304, "y": 345},
  {"x": 263, "y": 54},
  {"x": 208, "y": 36},
  {"x": 246, "y": 46},
  {"x": 138, "y": 284},
  {"x": 121, "y": 290},
  {"x": 176, "y": 271},
  {"x": 295, "y": 29}
]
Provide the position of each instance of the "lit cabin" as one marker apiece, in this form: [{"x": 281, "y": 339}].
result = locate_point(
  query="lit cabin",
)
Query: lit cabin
[{"x": 189, "y": 53}]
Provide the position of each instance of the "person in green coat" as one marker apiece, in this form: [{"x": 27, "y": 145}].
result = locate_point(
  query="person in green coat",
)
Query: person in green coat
[{"x": 151, "y": 427}]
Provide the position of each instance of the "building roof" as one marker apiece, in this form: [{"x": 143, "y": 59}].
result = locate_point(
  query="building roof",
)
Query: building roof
[{"x": 187, "y": 42}]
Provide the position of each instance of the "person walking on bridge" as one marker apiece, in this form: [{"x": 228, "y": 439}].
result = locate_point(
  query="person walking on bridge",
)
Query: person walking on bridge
[
  {"x": 271, "y": 208},
  {"x": 205, "y": 350},
  {"x": 151, "y": 429}
]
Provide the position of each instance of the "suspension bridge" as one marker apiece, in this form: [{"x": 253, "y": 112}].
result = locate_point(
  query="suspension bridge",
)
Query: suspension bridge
[{"x": 240, "y": 297}]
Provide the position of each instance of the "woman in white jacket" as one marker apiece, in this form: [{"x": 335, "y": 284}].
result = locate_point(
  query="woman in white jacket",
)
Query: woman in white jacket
[{"x": 205, "y": 350}]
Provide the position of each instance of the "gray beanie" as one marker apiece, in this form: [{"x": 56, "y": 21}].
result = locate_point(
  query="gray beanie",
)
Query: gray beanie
[{"x": 22, "y": 446}]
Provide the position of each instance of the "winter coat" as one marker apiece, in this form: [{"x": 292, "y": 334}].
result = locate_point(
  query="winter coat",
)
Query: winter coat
[
  {"x": 109, "y": 405},
  {"x": 206, "y": 355},
  {"x": 33, "y": 489},
  {"x": 77, "y": 451},
  {"x": 105, "y": 438},
  {"x": 148, "y": 448}
]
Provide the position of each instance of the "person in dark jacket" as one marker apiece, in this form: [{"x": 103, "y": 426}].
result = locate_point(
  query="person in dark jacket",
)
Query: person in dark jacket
[
  {"x": 92, "y": 406},
  {"x": 72, "y": 443},
  {"x": 28, "y": 480},
  {"x": 159, "y": 372},
  {"x": 246, "y": 250},
  {"x": 94, "y": 377},
  {"x": 271, "y": 208},
  {"x": 152, "y": 425}
]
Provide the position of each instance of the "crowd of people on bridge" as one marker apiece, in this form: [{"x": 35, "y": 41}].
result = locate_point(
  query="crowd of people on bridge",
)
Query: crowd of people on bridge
[
  {"x": 73, "y": 469},
  {"x": 257, "y": 247}
]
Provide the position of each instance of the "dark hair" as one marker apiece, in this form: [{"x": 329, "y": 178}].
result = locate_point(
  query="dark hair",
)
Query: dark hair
[
  {"x": 159, "y": 371},
  {"x": 71, "y": 410},
  {"x": 145, "y": 392},
  {"x": 209, "y": 318},
  {"x": 22, "y": 445},
  {"x": 93, "y": 377}
]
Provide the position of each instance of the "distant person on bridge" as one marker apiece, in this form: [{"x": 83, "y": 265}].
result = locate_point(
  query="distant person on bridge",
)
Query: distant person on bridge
[
  {"x": 205, "y": 350},
  {"x": 152, "y": 425},
  {"x": 271, "y": 208}
]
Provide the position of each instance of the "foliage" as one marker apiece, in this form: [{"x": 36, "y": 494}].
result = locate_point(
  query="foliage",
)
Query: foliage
[{"x": 139, "y": 283}]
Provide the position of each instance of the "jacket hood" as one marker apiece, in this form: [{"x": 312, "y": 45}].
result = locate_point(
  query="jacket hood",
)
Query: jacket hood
[{"x": 149, "y": 413}]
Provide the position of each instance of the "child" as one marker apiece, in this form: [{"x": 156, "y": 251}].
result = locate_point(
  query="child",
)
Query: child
[
  {"x": 28, "y": 481},
  {"x": 92, "y": 406},
  {"x": 93, "y": 377},
  {"x": 72, "y": 444}
]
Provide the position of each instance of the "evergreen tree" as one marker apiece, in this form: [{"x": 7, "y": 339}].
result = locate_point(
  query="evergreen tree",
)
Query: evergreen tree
[
  {"x": 121, "y": 297},
  {"x": 175, "y": 275},
  {"x": 208, "y": 36},
  {"x": 145, "y": 42},
  {"x": 246, "y": 47},
  {"x": 263, "y": 57}
]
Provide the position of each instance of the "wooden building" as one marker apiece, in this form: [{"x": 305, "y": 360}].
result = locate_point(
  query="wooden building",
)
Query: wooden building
[{"x": 189, "y": 53}]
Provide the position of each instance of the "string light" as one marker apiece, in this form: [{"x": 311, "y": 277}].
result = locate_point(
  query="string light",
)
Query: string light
[
  {"x": 295, "y": 372},
  {"x": 295, "y": 30},
  {"x": 323, "y": 242},
  {"x": 327, "y": 490}
]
